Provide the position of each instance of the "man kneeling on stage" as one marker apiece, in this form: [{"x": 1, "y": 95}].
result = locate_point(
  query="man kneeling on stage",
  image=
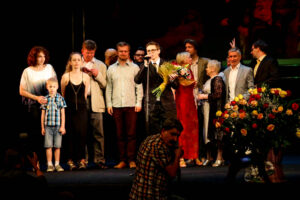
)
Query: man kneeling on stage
[{"x": 157, "y": 163}]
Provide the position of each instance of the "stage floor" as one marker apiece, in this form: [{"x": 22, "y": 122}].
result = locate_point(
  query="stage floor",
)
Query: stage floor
[{"x": 195, "y": 182}]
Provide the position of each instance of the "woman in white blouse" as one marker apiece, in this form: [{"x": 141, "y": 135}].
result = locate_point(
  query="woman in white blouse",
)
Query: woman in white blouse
[{"x": 33, "y": 89}]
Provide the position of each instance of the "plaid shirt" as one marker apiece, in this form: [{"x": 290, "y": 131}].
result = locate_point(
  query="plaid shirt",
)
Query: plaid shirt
[
  {"x": 151, "y": 179},
  {"x": 53, "y": 107}
]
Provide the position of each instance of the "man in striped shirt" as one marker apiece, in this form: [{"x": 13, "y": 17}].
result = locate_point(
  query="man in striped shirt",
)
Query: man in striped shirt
[{"x": 53, "y": 124}]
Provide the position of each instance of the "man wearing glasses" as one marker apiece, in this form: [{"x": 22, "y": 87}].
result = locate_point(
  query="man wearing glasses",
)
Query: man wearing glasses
[
  {"x": 156, "y": 109},
  {"x": 138, "y": 57}
]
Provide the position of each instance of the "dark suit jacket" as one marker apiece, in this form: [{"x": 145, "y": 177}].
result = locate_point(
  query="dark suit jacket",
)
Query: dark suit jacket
[
  {"x": 167, "y": 98},
  {"x": 267, "y": 72}
]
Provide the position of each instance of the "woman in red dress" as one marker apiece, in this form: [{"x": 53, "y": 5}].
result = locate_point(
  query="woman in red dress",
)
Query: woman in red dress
[{"x": 187, "y": 111}]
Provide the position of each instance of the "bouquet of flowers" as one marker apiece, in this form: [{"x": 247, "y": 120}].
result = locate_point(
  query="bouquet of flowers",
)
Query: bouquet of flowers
[
  {"x": 168, "y": 68},
  {"x": 267, "y": 120}
]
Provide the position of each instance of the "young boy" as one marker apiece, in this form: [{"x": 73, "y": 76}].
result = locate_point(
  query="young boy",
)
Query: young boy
[{"x": 53, "y": 124}]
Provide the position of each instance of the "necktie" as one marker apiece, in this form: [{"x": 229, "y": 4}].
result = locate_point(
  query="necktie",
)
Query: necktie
[
  {"x": 155, "y": 65},
  {"x": 256, "y": 67}
]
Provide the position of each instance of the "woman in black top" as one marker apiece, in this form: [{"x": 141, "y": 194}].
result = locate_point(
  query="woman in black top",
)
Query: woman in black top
[{"x": 74, "y": 87}]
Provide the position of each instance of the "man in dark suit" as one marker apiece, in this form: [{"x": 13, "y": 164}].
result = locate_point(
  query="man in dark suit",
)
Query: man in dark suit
[
  {"x": 265, "y": 67},
  {"x": 156, "y": 109}
]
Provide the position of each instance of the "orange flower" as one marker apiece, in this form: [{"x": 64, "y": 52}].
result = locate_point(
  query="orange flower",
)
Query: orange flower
[
  {"x": 260, "y": 116},
  {"x": 233, "y": 115},
  {"x": 254, "y": 113},
  {"x": 235, "y": 107},
  {"x": 242, "y": 115},
  {"x": 270, "y": 127},
  {"x": 253, "y": 103},
  {"x": 280, "y": 109},
  {"x": 227, "y": 106},
  {"x": 243, "y": 102},
  {"x": 274, "y": 110},
  {"x": 218, "y": 124},
  {"x": 289, "y": 112},
  {"x": 244, "y": 132}
]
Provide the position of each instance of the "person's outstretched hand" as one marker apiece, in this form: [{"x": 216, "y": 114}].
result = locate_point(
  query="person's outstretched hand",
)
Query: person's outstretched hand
[{"x": 232, "y": 43}]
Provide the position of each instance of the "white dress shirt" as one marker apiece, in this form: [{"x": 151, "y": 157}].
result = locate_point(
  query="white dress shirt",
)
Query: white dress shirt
[
  {"x": 121, "y": 90},
  {"x": 89, "y": 65},
  {"x": 157, "y": 64},
  {"x": 232, "y": 81}
]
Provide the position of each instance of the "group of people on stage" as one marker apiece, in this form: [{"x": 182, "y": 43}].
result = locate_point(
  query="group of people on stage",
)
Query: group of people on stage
[{"x": 123, "y": 87}]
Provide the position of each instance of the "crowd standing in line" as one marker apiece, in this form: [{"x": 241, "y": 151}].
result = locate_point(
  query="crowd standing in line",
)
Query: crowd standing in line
[{"x": 123, "y": 87}]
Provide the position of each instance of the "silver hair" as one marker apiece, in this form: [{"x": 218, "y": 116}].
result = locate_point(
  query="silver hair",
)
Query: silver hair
[
  {"x": 216, "y": 65},
  {"x": 235, "y": 49},
  {"x": 181, "y": 56}
]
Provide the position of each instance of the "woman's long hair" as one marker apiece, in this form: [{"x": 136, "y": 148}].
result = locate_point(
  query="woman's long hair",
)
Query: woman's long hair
[{"x": 69, "y": 66}]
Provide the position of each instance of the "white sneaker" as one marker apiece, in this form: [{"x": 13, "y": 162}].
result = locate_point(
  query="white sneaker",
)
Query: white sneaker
[
  {"x": 58, "y": 168},
  {"x": 50, "y": 168}
]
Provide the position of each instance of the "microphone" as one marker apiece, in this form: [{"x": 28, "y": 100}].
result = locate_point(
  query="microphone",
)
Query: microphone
[{"x": 147, "y": 57}]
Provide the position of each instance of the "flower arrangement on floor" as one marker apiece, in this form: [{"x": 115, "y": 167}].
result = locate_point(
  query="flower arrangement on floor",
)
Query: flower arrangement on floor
[
  {"x": 267, "y": 120},
  {"x": 259, "y": 129},
  {"x": 168, "y": 68}
]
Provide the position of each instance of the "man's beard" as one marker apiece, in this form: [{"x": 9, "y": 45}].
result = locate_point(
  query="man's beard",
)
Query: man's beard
[{"x": 123, "y": 59}]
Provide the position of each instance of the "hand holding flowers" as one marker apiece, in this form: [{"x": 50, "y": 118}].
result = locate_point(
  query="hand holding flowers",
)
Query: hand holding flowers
[{"x": 169, "y": 72}]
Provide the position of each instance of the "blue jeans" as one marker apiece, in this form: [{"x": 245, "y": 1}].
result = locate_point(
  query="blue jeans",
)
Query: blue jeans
[{"x": 53, "y": 137}]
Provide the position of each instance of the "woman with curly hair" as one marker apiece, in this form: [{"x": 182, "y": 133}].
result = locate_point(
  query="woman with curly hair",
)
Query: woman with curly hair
[{"x": 33, "y": 91}]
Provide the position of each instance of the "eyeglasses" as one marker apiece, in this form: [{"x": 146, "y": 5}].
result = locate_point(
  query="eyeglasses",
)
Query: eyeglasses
[
  {"x": 151, "y": 50},
  {"x": 139, "y": 54}
]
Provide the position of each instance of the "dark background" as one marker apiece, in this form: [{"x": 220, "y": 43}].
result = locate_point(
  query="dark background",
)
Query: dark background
[{"x": 62, "y": 28}]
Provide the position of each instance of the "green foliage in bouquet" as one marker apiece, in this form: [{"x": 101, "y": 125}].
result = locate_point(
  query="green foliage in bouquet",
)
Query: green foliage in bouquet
[{"x": 166, "y": 69}]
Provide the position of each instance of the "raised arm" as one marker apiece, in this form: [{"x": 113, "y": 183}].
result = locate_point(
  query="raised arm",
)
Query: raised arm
[{"x": 141, "y": 75}]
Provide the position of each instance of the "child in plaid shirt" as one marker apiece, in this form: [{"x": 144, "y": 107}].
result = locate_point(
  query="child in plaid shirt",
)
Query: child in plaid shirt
[{"x": 53, "y": 124}]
